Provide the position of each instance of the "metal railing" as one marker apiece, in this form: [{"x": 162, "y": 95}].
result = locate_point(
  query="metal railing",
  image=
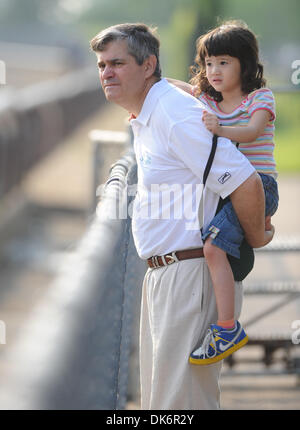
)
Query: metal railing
[
  {"x": 272, "y": 341},
  {"x": 74, "y": 351}
]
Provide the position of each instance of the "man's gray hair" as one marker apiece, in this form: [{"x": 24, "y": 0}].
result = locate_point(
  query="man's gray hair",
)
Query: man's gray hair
[{"x": 140, "y": 38}]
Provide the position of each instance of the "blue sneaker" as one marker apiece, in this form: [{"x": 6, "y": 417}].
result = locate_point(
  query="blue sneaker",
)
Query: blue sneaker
[{"x": 219, "y": 343}]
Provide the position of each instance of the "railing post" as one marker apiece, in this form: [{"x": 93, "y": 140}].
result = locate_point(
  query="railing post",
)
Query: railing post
[{"x": 101, "y": 140}]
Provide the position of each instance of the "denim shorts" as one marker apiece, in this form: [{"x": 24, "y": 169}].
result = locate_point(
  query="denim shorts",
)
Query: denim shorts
[{"x": 225, "y": 229}]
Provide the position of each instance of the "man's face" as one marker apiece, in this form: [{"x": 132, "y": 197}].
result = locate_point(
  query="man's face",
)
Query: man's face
[{"x": 122, "y": 79}]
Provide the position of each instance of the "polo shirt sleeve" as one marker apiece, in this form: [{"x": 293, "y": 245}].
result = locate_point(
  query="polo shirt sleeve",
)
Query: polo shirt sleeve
[
  {"x": 190, "y": 142},
  {"x": 262, "y": 99}
]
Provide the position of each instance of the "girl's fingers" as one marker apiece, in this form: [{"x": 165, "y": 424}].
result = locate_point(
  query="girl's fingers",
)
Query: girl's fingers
[{"x": 268, "y": 222}]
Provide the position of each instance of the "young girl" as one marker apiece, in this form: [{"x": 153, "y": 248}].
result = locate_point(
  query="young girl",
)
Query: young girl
[{"x": 228, "y": 79}]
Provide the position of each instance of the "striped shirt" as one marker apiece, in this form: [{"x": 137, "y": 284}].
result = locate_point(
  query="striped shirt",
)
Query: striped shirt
[{"x": 260, "y": 153}]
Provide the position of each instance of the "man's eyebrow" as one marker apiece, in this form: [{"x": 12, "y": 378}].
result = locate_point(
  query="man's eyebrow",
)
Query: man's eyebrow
[{"x": 112, "y": 61}]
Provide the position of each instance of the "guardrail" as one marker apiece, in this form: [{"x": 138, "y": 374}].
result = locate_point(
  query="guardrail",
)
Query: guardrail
[{"x": 74, "y": 351}]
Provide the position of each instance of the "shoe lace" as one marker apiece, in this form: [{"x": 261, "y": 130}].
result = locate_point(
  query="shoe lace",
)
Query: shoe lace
[{"x": 209, "y": 339}]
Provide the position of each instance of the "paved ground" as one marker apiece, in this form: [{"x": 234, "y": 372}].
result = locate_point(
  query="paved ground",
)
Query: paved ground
[{"x": 64, "y": 179}]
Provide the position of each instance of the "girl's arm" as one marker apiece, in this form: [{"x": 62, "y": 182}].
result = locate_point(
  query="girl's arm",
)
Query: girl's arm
[
  {"x": 182, "y": 85},
  {"x": 241, "y": 134}
]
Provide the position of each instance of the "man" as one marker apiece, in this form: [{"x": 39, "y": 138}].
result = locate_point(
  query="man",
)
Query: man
[{"x": 172, "y": 147}]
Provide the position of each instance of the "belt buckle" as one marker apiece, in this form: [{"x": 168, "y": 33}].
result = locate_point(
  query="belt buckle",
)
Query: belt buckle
[
  {"x": 172, "y": 259},
  {"x": 155, "y": 262}
]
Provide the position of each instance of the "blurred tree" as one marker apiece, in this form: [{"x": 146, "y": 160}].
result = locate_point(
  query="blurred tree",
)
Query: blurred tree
[
  {"x": 276, "y": 25},
  {"x": 176, "y": 42},
  {"x": 207, "y": 13},
  {"x": 274, "y": 20}
]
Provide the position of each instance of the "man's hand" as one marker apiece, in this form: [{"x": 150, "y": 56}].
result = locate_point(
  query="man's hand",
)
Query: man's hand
[{"x": 211, "y": 122}]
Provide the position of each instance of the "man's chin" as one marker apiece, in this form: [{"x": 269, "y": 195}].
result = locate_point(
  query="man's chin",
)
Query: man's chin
[{"x": 110, "y": 96}]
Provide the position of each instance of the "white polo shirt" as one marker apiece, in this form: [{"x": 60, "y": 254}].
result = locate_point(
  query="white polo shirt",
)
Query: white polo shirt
[{"x": 172, "y": 147}]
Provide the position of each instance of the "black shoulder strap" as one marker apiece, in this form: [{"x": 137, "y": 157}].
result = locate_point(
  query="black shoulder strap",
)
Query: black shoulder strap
[
  {"x": 208, "y": 167},
  {"x": 210, "y": 158}
]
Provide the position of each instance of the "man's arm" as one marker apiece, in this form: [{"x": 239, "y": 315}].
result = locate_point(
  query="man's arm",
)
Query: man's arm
[{"x": 248, "y": 201}]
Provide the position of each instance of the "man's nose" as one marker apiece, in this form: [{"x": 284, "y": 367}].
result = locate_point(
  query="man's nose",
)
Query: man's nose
[{"x": 107, "y": 72}]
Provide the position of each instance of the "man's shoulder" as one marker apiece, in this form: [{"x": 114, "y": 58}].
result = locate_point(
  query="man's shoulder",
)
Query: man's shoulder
[{"x": 177, "y": 105}]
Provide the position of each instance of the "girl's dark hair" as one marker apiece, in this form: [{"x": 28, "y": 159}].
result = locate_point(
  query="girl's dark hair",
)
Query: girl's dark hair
[{"x": 231, "y": 38}]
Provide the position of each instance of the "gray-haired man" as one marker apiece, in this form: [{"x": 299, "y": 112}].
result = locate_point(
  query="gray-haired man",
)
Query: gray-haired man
[{"x": 172, "y": 147}]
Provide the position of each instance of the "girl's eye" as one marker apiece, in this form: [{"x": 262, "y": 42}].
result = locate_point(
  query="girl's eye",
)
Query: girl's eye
[{"x": 223, "y": 62}]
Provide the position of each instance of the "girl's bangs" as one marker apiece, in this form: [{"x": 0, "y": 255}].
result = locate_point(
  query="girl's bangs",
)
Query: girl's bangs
[{"x": 219, "y": 44}]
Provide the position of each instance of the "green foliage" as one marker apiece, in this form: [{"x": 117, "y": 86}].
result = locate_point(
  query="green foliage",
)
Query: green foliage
[
  {"x": 288, "y": 110},
  {"x": 175, "y": 52},
  {"x": 104, "y": 13},
  {"x": 287, "y": 151},
  {"x": 275, "y": 21},
  {"x": 287, "y": 133}
]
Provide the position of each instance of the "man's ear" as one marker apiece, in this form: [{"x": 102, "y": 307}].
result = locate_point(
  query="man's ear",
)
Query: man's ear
[{"x": 150, "y": 65}]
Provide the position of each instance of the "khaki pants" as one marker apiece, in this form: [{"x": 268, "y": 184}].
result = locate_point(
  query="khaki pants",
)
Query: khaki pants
[{"x": 178, "y": 304}]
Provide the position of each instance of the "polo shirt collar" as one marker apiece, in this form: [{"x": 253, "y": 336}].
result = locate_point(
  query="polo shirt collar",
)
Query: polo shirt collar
[{"x": 152, "y": 97}]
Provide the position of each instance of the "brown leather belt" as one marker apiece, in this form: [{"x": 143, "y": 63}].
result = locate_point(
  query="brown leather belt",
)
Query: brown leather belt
[{"x": 165, "y": 260}]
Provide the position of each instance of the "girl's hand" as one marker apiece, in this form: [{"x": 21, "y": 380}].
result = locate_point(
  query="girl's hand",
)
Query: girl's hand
[
  {"x": 269, "y": 234},
  {"x": 268, "y": 225},
  {"x": 211, "y": 122},
  {"x": 269, "y": 230}
]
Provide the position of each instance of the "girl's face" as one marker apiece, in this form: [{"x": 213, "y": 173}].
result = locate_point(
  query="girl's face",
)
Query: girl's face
[{"x": 223, "y": 73}]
